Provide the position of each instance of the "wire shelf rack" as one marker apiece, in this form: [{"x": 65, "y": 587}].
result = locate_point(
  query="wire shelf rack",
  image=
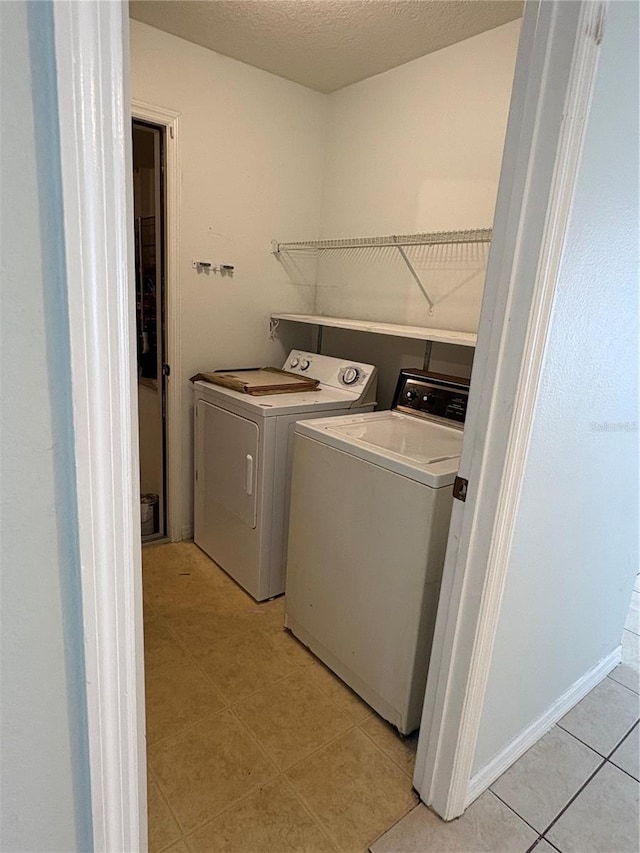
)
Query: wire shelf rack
[
  {"x": 401, "y": 242},
  {"x": 434, "y": 238}
]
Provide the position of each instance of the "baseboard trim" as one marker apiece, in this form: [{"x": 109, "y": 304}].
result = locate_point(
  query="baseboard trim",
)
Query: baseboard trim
[
  {"x": 519, "y": 745},
  {"x": 187, "y": 532}
]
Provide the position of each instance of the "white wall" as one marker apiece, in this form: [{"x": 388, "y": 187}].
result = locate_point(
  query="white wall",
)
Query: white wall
[
  {"x": 575, "y": 548},
  {"x": 44, "y": 794},
  {"x": 417, "y": 148},
  {"x": 251, "y": 148}
]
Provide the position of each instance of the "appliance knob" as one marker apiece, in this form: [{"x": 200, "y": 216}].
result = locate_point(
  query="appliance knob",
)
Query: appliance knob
[
  {"x": 294, "y": 362},
  {"x": 411, "y": 394},
  {"x": 304, "y": 364},
  {"x": 350, "y": 375}
]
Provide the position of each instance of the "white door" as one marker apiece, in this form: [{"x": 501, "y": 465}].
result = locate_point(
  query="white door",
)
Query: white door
[{"x": 226, "y": 464}]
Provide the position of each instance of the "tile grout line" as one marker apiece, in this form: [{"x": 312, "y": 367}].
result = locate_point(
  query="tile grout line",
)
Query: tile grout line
[
  {"x": 165, "y": 799},
  {"x": 194, "y": 660},
  {"x": 546, "y": 840},
  {"x": 589, "y": 779},
  {"x": 184, "y": 646},
  {"x": 622, "y": 770},
  {"x": 389, "y": 828},
  {"x": 583, "y": 742},
  {"x": 385, "y": 753},
  {"x": 511, "y": 809},
  {"x": 352, "y": 725},
  {"x": 209, "y": 716},
  {"x": 342, "y": 849},
  {"x": 256, "y": 740},
  {"x": 619, "y": 682},
  {"x": 265, "y": 632},
  {"x": 168, "y": 805},
  {"x": 281, "y": 774},
  {"x": 268, "y": 686},
  {"x": 320, "y": 749},
  {"x": 622, "y": 739},
  {"x": 231, "y": 703},
  {"x": 402, "y": 817},
  {"x": 316, "y": 819},
  {"x": 231, "y": 806},
  {"x": 575, "y": 797},
  {"x": 607, "y": 755},
  {"x": 228, "y": 707},
  {"x": 150, "y": 773}
]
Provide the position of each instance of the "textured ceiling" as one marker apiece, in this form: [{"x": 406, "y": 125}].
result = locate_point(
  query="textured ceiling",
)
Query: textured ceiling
[{"x": 325, "y": 44}]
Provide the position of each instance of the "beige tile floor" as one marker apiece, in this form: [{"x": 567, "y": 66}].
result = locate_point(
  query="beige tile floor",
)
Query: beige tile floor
[
  {"x": 575, "y": 791},
  {"x": 252, "y": 745}
]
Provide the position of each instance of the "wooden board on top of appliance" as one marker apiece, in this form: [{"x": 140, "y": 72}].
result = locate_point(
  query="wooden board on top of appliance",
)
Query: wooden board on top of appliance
[{"x": 260, "y": 380}]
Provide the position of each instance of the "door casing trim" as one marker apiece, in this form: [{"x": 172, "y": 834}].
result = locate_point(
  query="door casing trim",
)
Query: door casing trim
[
  {"x": 92, "y": 65},
  {"x": 555, "y": 75},
  {"x": 170, "y": 122}
]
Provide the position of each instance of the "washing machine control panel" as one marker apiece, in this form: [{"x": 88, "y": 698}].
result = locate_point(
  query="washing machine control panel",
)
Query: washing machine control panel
[{"x": 433, "y": 396}]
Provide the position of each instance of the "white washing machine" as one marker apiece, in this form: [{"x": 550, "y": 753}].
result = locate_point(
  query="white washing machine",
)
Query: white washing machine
[
  {"x": 243, "y": 455},
  {"x": 370, "y": 509}
]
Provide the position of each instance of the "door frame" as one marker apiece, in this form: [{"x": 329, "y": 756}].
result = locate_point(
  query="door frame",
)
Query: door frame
[
  {"x": 92, "y": 67},
  {"x": 94, "y": 122},
  {"x": 553, "y": 85},
  {"x": 170, "y": 122}
]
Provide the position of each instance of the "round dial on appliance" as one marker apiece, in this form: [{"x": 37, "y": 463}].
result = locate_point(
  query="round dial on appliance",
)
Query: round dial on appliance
[
  {"x": 411, "y": 394},
  {"x": 304, "y": 364},
  {"x": 350, "y": 375},
  {"x": 294, "y": 362}
]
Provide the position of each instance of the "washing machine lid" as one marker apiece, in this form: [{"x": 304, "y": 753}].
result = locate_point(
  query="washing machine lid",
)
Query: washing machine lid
[{"x": 424, "y": 451}]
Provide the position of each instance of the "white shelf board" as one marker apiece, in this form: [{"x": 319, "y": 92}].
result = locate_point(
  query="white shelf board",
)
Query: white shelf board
[{"x": 444, "y": 336}]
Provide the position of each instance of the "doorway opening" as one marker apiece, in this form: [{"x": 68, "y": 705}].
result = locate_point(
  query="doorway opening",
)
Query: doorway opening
[{"x": 149, "y": 239}]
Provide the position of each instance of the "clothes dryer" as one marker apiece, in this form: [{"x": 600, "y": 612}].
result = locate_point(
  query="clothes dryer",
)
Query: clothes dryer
[{"x": 243, "y": 454}]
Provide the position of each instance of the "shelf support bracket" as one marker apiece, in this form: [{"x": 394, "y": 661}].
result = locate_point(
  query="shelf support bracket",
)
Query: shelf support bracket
[{"x": 415, "y": 275}]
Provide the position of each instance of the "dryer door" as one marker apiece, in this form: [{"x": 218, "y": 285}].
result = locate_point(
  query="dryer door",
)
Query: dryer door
[{"x": 228, "y": 462}]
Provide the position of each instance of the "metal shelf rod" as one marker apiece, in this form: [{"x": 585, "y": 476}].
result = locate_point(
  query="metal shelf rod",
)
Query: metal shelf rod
[
  {"x": 435, "y": 238},
  {"x": 415, "y": 275}
]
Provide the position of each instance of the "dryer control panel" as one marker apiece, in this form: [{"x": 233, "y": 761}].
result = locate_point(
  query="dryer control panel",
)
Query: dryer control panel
[
  {"x": 358, "y": 379},
  {"x": 432, "y": 396}
]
